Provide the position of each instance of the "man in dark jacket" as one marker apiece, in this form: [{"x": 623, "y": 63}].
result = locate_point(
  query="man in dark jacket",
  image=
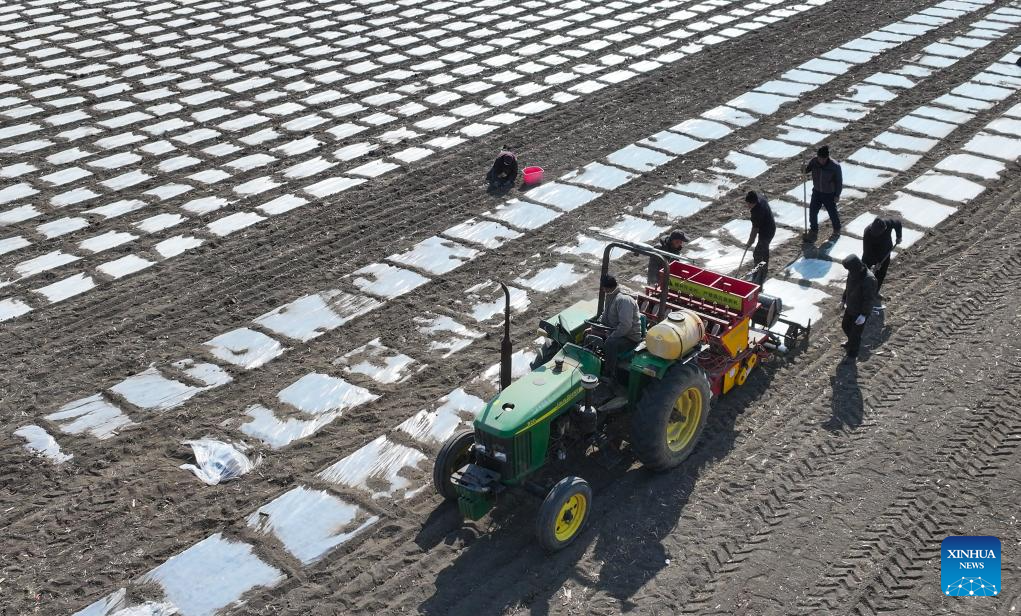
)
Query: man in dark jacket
[
  {"x": 827, "y": 183},
  {"x": 764, "y": 228},
  {"x": 877, "y": 244},
  {"x": 859, "y": 297},
  {"x": 673, "y": 244},
  {"x": 622, "y": 316}
]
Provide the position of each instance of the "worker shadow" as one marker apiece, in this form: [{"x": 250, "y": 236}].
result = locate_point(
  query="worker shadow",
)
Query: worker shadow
[
  {"x": 821, "y": 250},
  {"x": 498, "y": 189},
  {"x": 877, "y": 332},
  {"x": 846, "y": 402},
  {"x": 635, "y": 511}
]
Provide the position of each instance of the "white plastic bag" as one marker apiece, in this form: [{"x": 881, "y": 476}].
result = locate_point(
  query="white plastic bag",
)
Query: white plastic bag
[{"x": 218, "y": 461}]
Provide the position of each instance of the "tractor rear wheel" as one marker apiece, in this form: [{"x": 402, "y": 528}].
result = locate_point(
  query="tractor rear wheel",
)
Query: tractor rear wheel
[
  {"x": 454, "y": 454},
  {"x": 564, "y": 513},
  {"x": 670, "y": 416}
]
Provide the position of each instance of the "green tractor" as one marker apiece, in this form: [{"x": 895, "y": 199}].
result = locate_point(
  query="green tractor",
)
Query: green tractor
[{"x": 561, "y": 408}]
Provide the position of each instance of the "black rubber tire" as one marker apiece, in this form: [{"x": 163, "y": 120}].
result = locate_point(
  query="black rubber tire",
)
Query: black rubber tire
[
  {"x": 650, "y": 419},
  {"x": 546, "y": 522},
  {"x": 549, "y": 349},
  {"x": 454, "y": 454}
]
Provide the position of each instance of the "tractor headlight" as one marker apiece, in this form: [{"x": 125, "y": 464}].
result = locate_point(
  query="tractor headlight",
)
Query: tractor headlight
[
  {"x": 480, "y": 448},
  {"x": 500, "y": 456}
]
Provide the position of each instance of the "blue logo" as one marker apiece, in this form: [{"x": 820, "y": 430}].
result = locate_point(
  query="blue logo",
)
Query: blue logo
[{"x": 970, "y": 566}]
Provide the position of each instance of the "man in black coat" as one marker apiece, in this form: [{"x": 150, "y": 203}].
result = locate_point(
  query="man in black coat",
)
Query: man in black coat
[
  {"x": 877, "y": 245},
  {"x": 827, "y": 183},
  {"x": 673, "y": 244},
  {"x": 763, "y": 228},
  {"x": 860, "y": 294}
]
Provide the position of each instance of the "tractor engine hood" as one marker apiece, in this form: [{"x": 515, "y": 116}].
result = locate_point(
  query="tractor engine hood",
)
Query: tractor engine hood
[{"x": 538, "y": 396}]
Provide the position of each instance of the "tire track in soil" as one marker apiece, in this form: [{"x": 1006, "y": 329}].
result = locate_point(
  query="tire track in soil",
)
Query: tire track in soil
[
  {"x": 212, "y": 299},
  {"x": 921, "y": 518},
  {"x": 893, "y": 378},
  {"x": 923, "y": 281}
]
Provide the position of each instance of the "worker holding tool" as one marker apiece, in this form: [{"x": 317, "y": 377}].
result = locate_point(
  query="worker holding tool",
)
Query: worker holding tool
[
  {"x": 622, "y": 317},
  {"x": 827, "y": 183},
  {"x": 763, "y": 228},
  {"x": 673, "y": 244},
  {"x": 860, "y": 295},
  {"x": 877, "y": 246}
]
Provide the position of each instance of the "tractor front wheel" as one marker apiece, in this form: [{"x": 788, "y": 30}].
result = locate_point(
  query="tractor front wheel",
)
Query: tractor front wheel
[
  {"x": 454, "y": 454},
  {"x": 670, "y": 417},
  {"x": 564, "y": 513}
]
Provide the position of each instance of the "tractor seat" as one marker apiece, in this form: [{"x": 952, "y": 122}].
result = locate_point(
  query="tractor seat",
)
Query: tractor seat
[{"x": 627, "y": 355}]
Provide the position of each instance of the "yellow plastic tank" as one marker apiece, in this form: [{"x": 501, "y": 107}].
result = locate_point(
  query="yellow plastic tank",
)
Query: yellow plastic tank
[{"x": 677, "y": 334}]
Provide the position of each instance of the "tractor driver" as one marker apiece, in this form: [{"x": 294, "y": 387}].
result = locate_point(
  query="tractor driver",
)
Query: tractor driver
[{"x": 622, "y": 317}]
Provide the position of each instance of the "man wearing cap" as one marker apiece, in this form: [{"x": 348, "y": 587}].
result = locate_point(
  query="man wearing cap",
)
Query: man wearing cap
[
  {"x": 877, "y": 245},
  {"x": 763, "y": 227},
  {"x": 673, "y": 244},
  {"x": 860, "y": 293},
  {"x": 827, "y": 183},
  {"x": 621, "y": 315}
]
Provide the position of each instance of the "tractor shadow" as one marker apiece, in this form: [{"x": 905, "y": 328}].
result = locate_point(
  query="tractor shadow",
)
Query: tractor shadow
[{"x": 625, "y": 545}]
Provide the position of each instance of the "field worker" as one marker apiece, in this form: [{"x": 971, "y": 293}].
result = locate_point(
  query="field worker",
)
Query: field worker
[
  {"x": 877, "y": 244},
  {"x": 673, "y": 244},
  {"x": 621, "y": 315},
  {"x": 504, "y": 171},
  {"x": 860, "y": 294},
  {"x": 827, "y": 183},
  {"x": 763, "y": 228}
]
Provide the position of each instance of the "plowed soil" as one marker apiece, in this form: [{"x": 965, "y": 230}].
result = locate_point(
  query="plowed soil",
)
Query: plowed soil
[{"x": 820, "y": 487}]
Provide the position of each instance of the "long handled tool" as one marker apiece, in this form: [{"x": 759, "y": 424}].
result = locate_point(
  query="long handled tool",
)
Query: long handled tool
[
  {"x": 804, "y": 199},
  {"x": 743, "y": 255},
  {"x": 804, "y": 203}
]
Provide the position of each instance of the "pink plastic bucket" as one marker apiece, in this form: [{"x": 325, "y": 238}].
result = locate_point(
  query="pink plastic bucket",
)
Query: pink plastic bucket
[{"x": 532, "y": 175}]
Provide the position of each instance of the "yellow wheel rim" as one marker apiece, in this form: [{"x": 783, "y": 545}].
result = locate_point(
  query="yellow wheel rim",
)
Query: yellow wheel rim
[
  {"x": 684, "y": 420},
  {"x": 571, "y": 515}
]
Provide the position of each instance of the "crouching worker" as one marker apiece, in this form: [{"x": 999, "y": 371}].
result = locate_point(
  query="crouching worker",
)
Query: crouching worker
[
  {"x": 672, "y": 244},
  {"x": 622, "y": 317},
  {"x": 504, "y": 171},
  {"x": 860, "y": 294}
]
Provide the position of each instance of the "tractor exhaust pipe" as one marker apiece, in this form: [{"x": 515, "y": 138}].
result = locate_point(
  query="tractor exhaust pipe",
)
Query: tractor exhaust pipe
[{"x": 505, "y": 347}]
